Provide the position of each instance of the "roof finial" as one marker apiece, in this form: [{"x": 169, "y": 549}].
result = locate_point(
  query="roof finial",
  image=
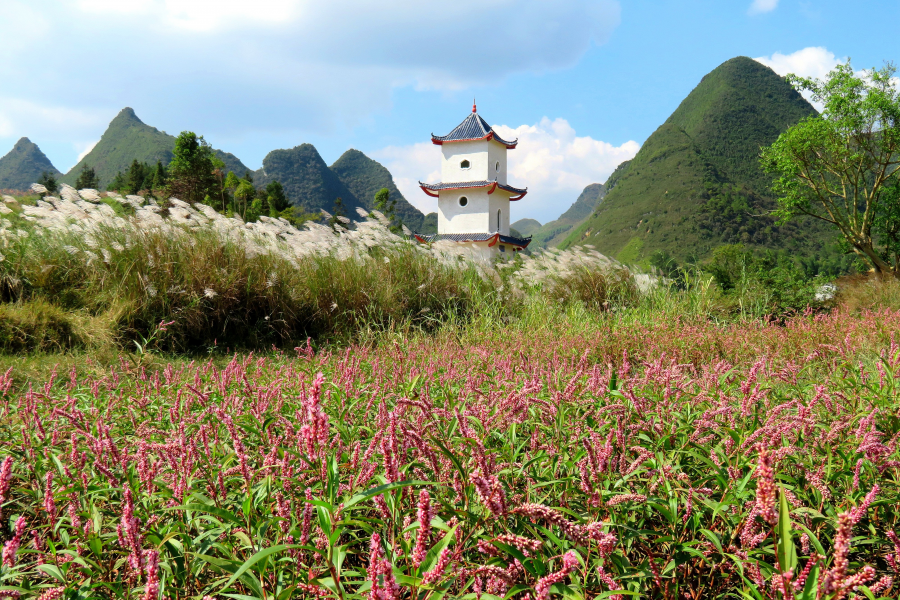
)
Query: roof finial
[{"x": 473, "y": 103}]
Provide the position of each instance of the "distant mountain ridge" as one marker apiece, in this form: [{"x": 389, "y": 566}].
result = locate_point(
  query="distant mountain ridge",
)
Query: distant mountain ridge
[
  {"x": 553, "y": 233},
  {"x": 126, "y": 139},
  {"x": 354, "y": 178},
  {"x": 23, "y": 165},
  {"x": 696, "y": 182},
  {"x": 308, "y": 181}
]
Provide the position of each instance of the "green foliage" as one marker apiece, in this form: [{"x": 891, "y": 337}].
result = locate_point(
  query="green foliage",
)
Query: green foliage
[
  {"x": 126, "y": 139},
  {"x": 388, "y": 207},
  {"x": 276, "y": 200},
  {"x": 87, "y": 179},
  {"x": 841, "y": 166},
  {"x": 23, "y": 165},
  {"x": 364, "y": 177},
  {"x": 192, "y": 170},
  {"x": 48, "y": 180},
  {"x": 696, "y": 183},
  {"x": 553, "y": 233}
]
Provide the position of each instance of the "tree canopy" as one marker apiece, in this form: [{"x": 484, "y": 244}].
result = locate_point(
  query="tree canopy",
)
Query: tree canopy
[
  {"x": 192, "y": 170},
  {"x": 840, "y": 166}
]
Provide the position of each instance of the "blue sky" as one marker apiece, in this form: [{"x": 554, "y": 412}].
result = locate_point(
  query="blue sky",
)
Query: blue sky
[{"x": 582, "y": 82}]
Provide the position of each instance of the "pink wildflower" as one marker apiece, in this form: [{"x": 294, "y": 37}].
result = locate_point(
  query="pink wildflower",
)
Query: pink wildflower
[
  {"x": 542, "y": 589},
  {"x": 12, "y": 546},
  {"x": 424, "y": 533}
]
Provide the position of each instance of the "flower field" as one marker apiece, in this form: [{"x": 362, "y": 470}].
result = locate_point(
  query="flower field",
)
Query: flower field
[{"x": 670, "y": 460}]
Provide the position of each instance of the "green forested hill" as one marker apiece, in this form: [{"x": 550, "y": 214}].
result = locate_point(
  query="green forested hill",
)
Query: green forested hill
[
  {"x": 128, "y": 138},
  {"x": 553, "y": 233},
  {"x": 696, "y": 182},
  {"x": 23, "y": 165},
  {"x": 307, "y": 180},
  {"x": 313, "y": 185},
  {"x": 364, "y": 177}
]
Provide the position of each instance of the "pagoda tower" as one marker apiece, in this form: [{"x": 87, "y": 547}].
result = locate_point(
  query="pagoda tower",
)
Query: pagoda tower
[{"x": 474, "y": 196}]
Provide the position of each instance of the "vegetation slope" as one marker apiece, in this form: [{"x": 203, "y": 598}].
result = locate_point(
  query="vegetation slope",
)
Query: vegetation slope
[
  {"x": 23, "y": 165},
  {"x": 127, "y": 139},
  {"x": 696, "y": 182},
  {"x": 354, "y": 178}
]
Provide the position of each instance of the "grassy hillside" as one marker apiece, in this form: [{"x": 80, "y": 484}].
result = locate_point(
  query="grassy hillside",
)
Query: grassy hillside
[
  {"x": 128, "y": 138},
  {"x": 553, "y": 233},
  {"x": 307, "y": 180},
  {"x": 696, "y": 182},
  {"x": 354, "y": 178},
  {"x": 23, "y": 165},
  {"x": 526, "y": 226},
  {"x": 364, "y": 177}
]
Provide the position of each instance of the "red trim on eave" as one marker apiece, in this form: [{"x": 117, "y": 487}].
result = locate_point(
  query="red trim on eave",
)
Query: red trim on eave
[
  {"x": 428, "y": 192},
  {"x": 420, "y": 239},
  {"x": 493, "y": 187},
  {"x": 496, "y": 239},
  {"x": 519, "y": 197}
]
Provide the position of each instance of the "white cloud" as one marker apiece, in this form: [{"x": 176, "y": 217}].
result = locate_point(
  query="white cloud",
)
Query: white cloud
[
  {"x": 762, "y": 6},
  {"x": 814, "y": 61},
  {"x": 551, "y": 160},
  {"x": 45, "y": 120},
  {"x": 280, "y": 67},
  {"x": 83, "y": 149}
]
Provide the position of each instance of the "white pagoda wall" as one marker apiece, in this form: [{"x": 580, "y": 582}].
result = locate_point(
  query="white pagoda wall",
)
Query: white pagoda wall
[
  {"x": 478, "y": 216},
  {"x": 471, "y": 218},
  {"x": 482, "y": 156}
]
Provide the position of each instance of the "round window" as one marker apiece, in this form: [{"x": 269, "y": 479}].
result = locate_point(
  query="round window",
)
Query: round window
[
  {"x": 464, "y": 164},
  {"x": 497, "y": 166},
  {"x": 463, "y": 200}
]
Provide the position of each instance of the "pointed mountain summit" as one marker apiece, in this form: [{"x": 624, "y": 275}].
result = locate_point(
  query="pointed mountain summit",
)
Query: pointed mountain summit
[
  {"x": 307, "y": 180},
  {"x": 127, "y": 139},
  {"x": 696, "y": 182},
  {"x": 354, "y": 178},
  {"x": 364, "y": 177},
  {"x": 23, "y": 165}
]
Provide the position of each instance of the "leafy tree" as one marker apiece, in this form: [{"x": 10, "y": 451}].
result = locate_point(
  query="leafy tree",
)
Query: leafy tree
[
  {"x": 243, "y": 196},
  {"x": 118, "y": 183},
  {"x": 160, "y": 176},
  {"x": 48, "y": 180},
  {"x": 87, "y": 179},
  {"x": 337, "y": 211},
  {"x": 192, "y": 170},
  {"x": 841, "y": 166},
  {"x": 276, "y": 199},
  {"x": 248, "y": 176},
  {"x": 387, "y": 207},
  {"x": 137, "y": 173}
]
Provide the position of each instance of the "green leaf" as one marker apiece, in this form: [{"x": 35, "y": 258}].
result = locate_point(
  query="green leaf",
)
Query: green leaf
[
  {"x": 381, "y": 489},
  {"x": 54, "y": 572},
  {"x": 435, "y": 550},
  {"x": 812, "y": 585},
  {"x": 258, "y": 557},
  {"x": 212, "y": 510},
  {"x": 787, "y": 553}
]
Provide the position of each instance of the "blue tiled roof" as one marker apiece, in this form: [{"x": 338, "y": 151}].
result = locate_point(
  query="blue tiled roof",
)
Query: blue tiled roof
[
  {"x": 473, "y": 127},
  {"x": 475, "y": 237},
  {"x": 435, "y": 187}
]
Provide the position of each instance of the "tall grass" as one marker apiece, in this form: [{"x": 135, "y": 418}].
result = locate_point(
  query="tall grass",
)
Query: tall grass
[{"x": 135, "y": 263}]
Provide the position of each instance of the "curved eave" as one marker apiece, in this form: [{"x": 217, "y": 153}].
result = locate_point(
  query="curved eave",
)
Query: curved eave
[
  {"x": 439, "y": 140},
  {"x": 490, "y": 239},
  {"x": 434, "y": 189}
]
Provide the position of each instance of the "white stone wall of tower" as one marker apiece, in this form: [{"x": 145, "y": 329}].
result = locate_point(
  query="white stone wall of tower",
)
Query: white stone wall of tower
[
  {"x": 479, "y": 215},
  {"x": 482, "y": 156},
  {"x": 471, "y": 218}
]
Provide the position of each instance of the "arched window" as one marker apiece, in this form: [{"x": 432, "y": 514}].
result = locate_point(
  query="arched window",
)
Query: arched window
[
  {"x": 463, "y": 200},
  {"x": 464, "y": 164},
  {"x": 498, "y": 219},
  {"x": 497, "y": 166}
]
